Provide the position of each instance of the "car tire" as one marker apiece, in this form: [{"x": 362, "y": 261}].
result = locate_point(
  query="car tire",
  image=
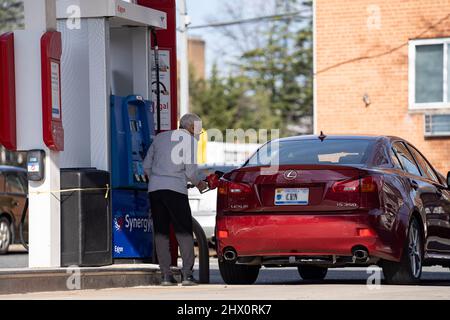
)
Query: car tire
[
  {"x": 312, "y": 272},
  {"x": 237, "y": 273},
  {"x": 409, "y": 269},
  {"x": 5, "y": 235}
]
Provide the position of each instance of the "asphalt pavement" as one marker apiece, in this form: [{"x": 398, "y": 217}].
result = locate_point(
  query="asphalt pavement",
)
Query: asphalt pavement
[
  {"x": 273, "y": 283},
  {"x": 16, "y": 258}
]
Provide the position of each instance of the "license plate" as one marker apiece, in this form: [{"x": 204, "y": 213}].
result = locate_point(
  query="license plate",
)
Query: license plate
[{"x": 291, "y": 197}]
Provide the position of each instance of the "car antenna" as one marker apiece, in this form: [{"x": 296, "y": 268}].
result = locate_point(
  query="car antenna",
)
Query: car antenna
[{"x": 322, "y": 136}]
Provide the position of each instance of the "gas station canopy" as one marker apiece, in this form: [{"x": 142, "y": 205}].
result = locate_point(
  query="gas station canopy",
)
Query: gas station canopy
[{"x": 121, "y": 13}]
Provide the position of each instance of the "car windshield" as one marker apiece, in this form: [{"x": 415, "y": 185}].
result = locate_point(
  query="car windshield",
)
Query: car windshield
[{"x": 329, "y": 151}]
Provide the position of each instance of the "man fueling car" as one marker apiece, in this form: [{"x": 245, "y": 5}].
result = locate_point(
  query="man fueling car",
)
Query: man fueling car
[{"x": 171, "y": 163}]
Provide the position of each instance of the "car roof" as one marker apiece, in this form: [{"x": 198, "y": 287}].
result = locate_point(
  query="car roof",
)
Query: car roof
[
  {"x": 341, "y": 137},
  {"x": 11, "y": 169}
]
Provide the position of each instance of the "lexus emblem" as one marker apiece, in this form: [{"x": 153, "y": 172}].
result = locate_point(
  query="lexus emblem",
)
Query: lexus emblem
[{"x": 290, "y": 175}]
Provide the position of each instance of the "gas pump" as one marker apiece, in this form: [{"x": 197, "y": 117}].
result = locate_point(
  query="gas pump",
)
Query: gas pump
[
  {"x": 113, "y": 116},
  {"x": 132, "y": 132}
]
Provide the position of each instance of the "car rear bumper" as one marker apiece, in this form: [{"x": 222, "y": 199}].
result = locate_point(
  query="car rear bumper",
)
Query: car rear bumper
[{"x": 316, "y": 235}]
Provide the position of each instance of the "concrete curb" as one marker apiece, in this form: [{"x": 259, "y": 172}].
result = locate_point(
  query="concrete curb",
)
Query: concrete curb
[{"x": 17, "y": 281}]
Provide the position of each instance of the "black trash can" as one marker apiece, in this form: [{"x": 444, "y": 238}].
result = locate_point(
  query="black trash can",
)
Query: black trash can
[{"x": 85, "y": 218}]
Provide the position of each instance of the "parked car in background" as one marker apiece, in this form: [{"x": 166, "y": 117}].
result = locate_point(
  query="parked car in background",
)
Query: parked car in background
[
  {"x": 334, "y": 201},
  {"x": 13, "y": 196},
  {"x": 203, "y": 206}
]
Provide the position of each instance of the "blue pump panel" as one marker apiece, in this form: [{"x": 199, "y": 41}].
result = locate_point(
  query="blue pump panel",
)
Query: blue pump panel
[
  {"x": 132, "y": 225},
  {"x": 132, "y": 131}
]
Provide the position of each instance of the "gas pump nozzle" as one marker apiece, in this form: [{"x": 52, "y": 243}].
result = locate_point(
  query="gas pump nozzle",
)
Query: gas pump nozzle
[{"x": 212, "y": 180}]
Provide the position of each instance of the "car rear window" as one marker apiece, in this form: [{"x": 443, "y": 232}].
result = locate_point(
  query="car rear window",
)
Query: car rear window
[{"x": 329, "y": 151}]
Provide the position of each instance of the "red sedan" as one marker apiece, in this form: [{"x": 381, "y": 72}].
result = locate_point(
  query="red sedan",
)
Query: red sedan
[{"x": 337, "y": 201}]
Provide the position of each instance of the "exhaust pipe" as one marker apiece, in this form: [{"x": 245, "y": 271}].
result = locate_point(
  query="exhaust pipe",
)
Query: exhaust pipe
[
  {"x": 360, "y": 255},
  {"x": 230, "y": 255}
]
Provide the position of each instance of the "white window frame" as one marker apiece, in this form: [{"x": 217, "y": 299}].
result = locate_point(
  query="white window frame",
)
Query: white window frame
[{"x": 412, "y": 75}]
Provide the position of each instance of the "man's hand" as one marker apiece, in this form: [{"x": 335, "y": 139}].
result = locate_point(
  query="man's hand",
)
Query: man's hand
[{"x": 202, "y": 186}]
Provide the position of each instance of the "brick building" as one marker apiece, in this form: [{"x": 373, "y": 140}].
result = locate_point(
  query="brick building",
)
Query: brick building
[
  {"x": 383, "y": 67},
  {"x": 197, "y": 56}
]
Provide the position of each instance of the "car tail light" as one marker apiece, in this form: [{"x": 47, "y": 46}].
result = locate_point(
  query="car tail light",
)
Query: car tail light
[
  {"x": 227, "y": 188},
  {"x": 346, "y": 186},
  {"x": 222, "y": 234},
  {"x": 239, "y": 188},
  {"x": 360, "y": 192},
  {"x": 365, "y": 232},
  {"x": 233, "y": 196},
  {"x": 363, "y": 185},
  {"x": 369, "y": 184},
  {"x": 223, "y": 188}
]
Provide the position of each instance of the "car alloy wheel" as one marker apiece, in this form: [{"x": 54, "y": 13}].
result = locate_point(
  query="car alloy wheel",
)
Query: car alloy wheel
[
  {"x": 415, "y": 250},
  {"x": 409, "y": 269},
  {"x": 5, "y": 235}
]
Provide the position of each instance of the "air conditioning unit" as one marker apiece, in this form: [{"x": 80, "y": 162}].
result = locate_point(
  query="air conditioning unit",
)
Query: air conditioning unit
[{"x": 437, "y": 125}]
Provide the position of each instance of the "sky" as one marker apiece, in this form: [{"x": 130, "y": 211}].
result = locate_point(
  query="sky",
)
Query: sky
[
  {"x": 221, "y": 49},
  {"x": 202, "y": 12}
]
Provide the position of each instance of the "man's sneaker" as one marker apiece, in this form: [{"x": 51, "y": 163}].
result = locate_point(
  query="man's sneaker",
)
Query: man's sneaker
[
  {"x": 189, "y": 281},
  {"x": 168, "y": 281}
]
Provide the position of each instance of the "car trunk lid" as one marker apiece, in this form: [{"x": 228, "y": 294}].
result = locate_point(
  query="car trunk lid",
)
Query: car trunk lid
[{"x": 298, "y": 188}]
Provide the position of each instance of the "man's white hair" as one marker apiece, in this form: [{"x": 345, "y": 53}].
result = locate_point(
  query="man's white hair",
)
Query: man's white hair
[{"x": 191, "y": 120}]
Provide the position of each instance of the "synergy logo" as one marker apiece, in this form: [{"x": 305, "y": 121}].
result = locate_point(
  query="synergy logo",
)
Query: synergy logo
[
  {"x": 118, "y": 223},
  {"x": 132, "y": 223}
]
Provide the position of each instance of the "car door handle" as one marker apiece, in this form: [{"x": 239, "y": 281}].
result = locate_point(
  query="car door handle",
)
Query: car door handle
[{"x": 414, "y": 185}]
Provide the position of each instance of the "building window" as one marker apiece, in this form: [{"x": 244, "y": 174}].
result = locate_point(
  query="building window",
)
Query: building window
[
  {"x": 437, "y": 125},
  {"x": 429, "y": 85}
]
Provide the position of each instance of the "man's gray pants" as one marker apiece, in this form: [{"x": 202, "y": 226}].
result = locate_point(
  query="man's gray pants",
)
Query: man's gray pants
[{"x": 172, "y": 208}]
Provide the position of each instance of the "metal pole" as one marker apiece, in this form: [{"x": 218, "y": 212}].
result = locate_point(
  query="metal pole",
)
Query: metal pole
[
  {"x": 44, "y": 207},
  {"x": 203, "y": 249},
  {"x": 158, "y": 81},
  {"x": 184, "y": 60}
]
